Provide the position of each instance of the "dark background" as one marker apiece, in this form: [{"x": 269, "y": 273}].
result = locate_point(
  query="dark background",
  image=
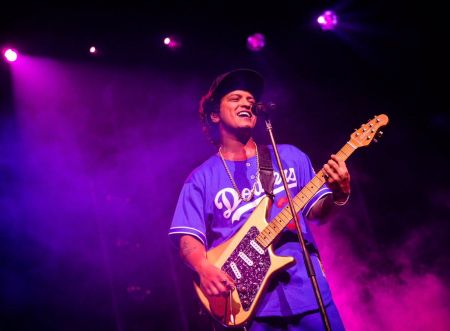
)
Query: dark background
[{"x": 94, "y": 150}]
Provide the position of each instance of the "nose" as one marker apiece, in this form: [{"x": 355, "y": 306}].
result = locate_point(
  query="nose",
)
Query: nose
[{"x": 247, "y": 104}]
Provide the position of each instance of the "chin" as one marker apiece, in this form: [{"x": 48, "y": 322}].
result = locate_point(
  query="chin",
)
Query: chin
[{"x": 249, "y": 124}]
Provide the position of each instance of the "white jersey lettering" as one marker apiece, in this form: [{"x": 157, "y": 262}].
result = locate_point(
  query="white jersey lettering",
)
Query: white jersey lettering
[{"x": 222, "y": 199}]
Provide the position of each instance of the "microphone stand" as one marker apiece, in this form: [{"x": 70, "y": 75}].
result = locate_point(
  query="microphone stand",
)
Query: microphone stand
[{"x": 306, "y": 255}]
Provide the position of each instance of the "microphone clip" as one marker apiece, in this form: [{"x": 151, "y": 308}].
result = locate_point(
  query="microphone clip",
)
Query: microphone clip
[{"x": 261, "y": 108}]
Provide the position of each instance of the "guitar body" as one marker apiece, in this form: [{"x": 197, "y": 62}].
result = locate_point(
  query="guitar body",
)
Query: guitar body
[{"x": 249, "y": 265}]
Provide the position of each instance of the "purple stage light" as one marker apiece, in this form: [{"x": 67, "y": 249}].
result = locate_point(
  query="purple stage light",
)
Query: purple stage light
[
  {"x": 10, "y": 55},
  {"x": 92, "y": 50},
  {"x": 328, "y": 20},
  {"x": 172, "y": 42},
  {"x": 256, "y": 42}
]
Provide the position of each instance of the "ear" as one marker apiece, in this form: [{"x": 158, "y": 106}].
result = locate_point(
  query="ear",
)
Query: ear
[{"x": 215, "y": 118}]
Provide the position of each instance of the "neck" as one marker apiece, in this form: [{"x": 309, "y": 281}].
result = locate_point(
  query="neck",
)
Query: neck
[{"x": 238, "y": 150}]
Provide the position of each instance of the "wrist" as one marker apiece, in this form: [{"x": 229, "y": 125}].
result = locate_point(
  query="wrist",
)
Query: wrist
[
  {"x": 201, "y": 265},
  {"x": 342, "y": 200}
]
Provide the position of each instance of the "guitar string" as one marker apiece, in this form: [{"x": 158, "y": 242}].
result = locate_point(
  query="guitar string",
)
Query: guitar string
[{"x": 246, "y": 249}]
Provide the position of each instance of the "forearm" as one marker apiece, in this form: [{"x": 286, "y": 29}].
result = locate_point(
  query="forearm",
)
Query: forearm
[{"x": 193, "y": 252}]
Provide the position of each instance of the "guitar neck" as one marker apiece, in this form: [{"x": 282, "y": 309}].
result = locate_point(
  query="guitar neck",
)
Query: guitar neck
[{"x": 274, "y": 228}]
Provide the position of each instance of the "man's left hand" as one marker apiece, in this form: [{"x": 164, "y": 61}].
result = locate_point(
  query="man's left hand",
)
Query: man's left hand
[{"x": 338, "y": 178}]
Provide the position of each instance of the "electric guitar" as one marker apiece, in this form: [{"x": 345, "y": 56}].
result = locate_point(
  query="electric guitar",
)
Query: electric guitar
[{"x": 248, "y": 256}]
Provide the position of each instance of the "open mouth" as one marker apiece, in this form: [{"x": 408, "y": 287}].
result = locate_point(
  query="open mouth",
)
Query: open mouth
[{"x": 245, "y": 114}]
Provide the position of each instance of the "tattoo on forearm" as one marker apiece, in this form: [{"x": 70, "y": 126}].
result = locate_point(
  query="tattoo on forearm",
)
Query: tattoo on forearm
[{"x": 187, "y": 248}]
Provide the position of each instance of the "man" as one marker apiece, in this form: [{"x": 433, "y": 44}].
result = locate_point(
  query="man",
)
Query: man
[{"x": 220, "y": 195}]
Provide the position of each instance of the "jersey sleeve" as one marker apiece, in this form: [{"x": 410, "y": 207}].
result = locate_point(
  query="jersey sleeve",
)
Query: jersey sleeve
[{"x": 189, "y": 213}]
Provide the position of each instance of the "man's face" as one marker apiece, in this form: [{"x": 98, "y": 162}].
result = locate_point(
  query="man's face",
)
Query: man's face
[{"x": 235, "y": 111}]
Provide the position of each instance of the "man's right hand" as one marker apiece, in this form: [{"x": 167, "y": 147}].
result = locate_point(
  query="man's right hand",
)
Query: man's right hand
[{"x": 213, "y": 281}]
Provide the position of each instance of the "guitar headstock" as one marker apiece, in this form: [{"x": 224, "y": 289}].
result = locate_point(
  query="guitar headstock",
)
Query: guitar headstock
[{"x": 369, "y": 131}]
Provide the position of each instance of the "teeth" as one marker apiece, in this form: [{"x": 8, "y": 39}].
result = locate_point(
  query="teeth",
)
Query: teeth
[{"x": 244, "y": 114}]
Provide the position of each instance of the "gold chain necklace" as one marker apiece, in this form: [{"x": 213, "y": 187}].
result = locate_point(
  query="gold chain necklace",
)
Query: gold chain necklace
[{"x": 252, "y": 192}]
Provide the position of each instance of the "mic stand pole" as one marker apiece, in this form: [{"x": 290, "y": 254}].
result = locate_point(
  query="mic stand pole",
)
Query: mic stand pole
[{"x": 306, "y": 256}]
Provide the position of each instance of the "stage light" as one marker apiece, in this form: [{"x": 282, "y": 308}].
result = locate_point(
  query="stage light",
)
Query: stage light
[
  {"x": 10, "y": 54},
  {"x": 328, "y": 20},
  {"x": 92, "y": 50},
  {"x": 172, "y": 42},
  {"x": 256, "y": 42}
]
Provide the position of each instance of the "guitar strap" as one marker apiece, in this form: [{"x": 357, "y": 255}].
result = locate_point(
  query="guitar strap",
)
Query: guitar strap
[{"x": 266, "y": 170}]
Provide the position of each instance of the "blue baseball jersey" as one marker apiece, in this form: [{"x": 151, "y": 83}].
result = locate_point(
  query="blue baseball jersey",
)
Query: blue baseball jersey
[{"x": 209, "y": 209}]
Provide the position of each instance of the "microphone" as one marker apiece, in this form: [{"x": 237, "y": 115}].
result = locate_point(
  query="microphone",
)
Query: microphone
[{"x": 261, "y": 108}]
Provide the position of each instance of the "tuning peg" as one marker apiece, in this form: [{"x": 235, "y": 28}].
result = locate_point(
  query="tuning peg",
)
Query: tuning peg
[
  {"x": 380, "y": 134},
  {"x": 375, "y": 140}
]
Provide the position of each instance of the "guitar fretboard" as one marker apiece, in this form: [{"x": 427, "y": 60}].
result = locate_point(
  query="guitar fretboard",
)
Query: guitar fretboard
[{"x": 274, "y": 228}]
